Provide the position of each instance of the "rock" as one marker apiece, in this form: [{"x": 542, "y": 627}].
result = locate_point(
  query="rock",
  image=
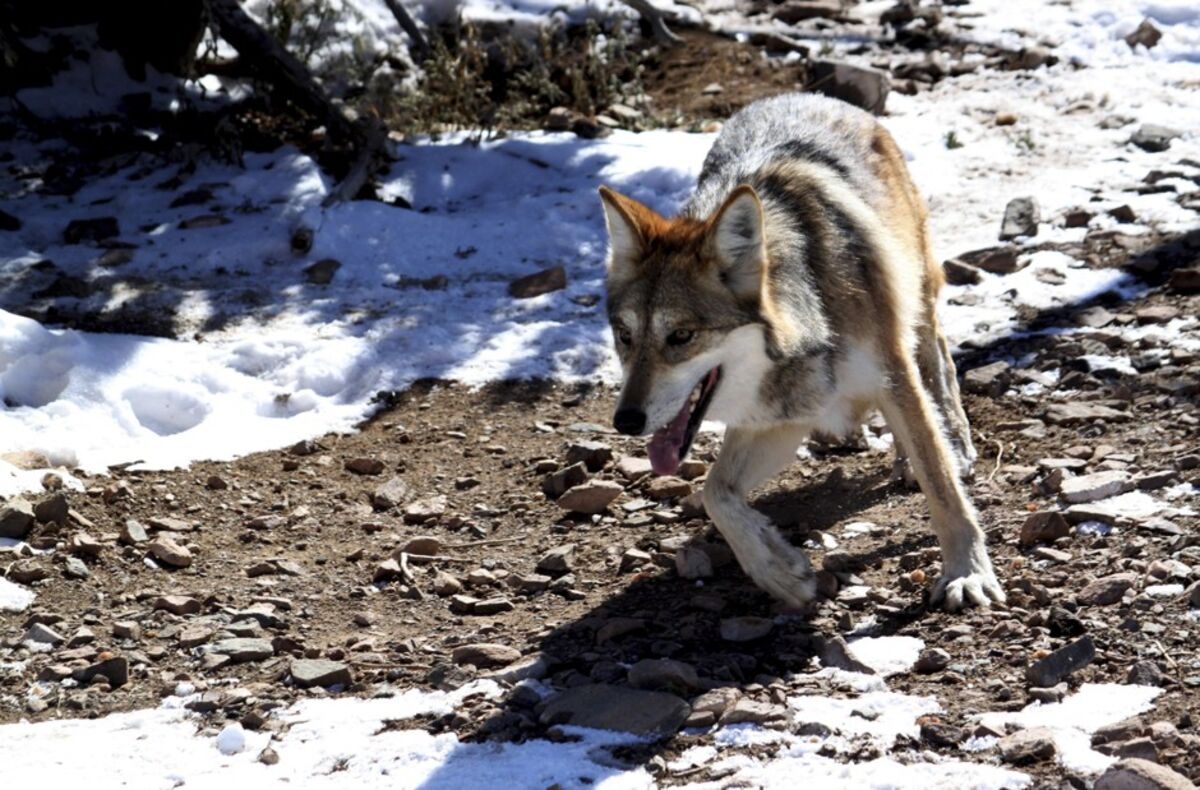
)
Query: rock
[
  {"x": 444, "y": 584},
  {"x": 989, "y": 379},
  {"x": 309, "y": 672},
  {"x": 243, "y": 649},
  {"x": 1077, "y": 218},
  {"x": 365, "y": 466},
  {"x": 167, "y": 551},
  {"x": 424, "y": 510},
  {"x": 202, "y": 221},
  {"x": 633, "y": 559},
  {"x": 961, "y": 273},
  {"x": 1043, "y": 527},
  {"x": 997, "y": 260},
  {"x": 593, "y": 455},
  {"x": 177, "y": 604},
  {"x": 84, "y": 545},
  {"x": 1135, "y": 774},
  {"x": 617, "y": 627},
  {"x": 1059, "y": 665},
  {"x": 321, "y": 272},
  {"x": 421, "y": 546},
  {"x": 668, "y": 487},
  {"x": 170, "y": 524},
  {"x": 543, "y": 282},
  {"x": 43, "y": 634},
  {"x": 1098, "y": 485},
  {"x": 557, "y": 560},
  {"x": 73, "y": 568},
  {"x": 132, "y": 532},
  {"x": 793, "y": 11},
  {"x": 485, "y": 655},
  {"x": 591, "y": 497},
  {"x": 1021, "y": 218},
  {"x": 531, "y": 667},
  {"x": 1107, "y": 590},
  {"x": 555, "y": 484},
  {"x": 559, "y": 119},
  {"x": 1123, "y": 213},
  {"x": 94, "y": 229},
  {"x": 1186, "y": 281},
  {"x": 1156, "y": 314},
  {"x": 942, "y": 736},
  {"x": 693, "y": 562},
  {"x": 1145, "y": 34},
  {"x": 389, "y": 495},
  {"x": 268, "y": 756},
  {"x": 745, "y": 629},
  {"x": 53, "y": 509},
  {"x": 1028, "y": 746},
  {"x": 664, "y": 674},
  {"x": 16, "y": 518},
  {"x": 127, "y": 629},
  {"x": 1076, "y": 412},
  {"x": 863, "y": 87},
  {"x": 632, "y": 468},
  {"x": 1046, "y": 696},
  {"x": 932, "y": 659},
  {"x": 116, "y": 670},
  {"x": 1145, "y": 673},
  {"x": 386, "y": 571},
  {"x": 1154, "y": 138},
  {"x": 605, "y": 707},
  {"x": 834, "y": 652},
  {"x": 492, "y": 606},
  {"x": 748, "y": 711}
]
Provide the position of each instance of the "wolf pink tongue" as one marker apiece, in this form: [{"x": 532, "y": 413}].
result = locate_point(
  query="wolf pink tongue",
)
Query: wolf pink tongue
[{"x": 666, "y": 443}]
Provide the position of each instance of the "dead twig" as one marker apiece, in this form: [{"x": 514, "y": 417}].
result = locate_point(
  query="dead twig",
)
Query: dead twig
[
  {"x": 999, "y": 457},
  {"x": 370, "y": 153},
  {"x": 419, "y": 46},
  {"x": 654, "y": 18},
  {"x": 493, "y": 542}
]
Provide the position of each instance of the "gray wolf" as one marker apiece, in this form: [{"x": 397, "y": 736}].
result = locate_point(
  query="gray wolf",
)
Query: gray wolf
[{"x": 794, "y": 292}]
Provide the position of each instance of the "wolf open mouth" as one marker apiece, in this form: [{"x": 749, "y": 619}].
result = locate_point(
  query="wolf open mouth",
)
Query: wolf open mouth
[{"x": 670, "y": 444}]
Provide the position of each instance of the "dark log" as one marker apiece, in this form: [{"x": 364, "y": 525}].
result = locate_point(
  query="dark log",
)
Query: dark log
[{"x": 419, "y": 45}]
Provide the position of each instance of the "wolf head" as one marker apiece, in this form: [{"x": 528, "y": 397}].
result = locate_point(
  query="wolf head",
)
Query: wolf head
[{"x": 691, "y": 310}]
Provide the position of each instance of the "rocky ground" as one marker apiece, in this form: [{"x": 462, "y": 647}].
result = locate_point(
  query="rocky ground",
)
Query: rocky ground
[{"x": 510, "y": 531}]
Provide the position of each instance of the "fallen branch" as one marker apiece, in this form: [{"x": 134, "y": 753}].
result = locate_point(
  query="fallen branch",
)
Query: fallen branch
[
  {"x": 654, "y": 18},
  {"x": 419, "y": 45},
  {"x": 370, "y": 153}
]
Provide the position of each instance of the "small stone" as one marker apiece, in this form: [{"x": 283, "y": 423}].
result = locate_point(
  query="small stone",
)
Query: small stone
[
  {"x": 73, "y": 568},
  {"x": 1028, "y": 746},
  {"x": 386, "y": 571},
  {"x": 941, "y": 735},
  {"x": 664, "y": 674},
  {"x": 1021, "y": 218},
  {"x": 1156, "y": 314},
  {"x": 202, "y": 221},
  {"x": 444, "y": 584},
  {"x": 1145, "y": 673},
  {"x": 712, "y": 89},
  {"x": 692, "y": 562},
  {"x": 268, "y": 756},
  {"x": 557, "y": 560},
  {"x": 132, "y": 532},
  {"x": 493, "y": 606},
  {"x": 593, "y": 455},
  {"x": 996, "y": 260},
  {"x": 932, "y": 659},
  {"x": 1122, "y": 213},
  {"x": 591, "y": 497},
  {"x": 170, "y": 524},
  {"x": 987, "y": 380},
  {"x": 167, "y": 551},
  {"x": 863, "y": 87},
  {"x": 668, "y": 487},
  {"x": 425, "y": 510},
  {"x": 423, "y": 545},
  {"x": 1050, "y": 695},
  {"x": 1043, "y": 527},
  {"x": 243, "y": 649},
  {"x": 605, "y": 707},
  {"x": 365, "y": 466},
  {"x": 43, "y": 634},
  {"x": 53, "y": 509},
  {"x": 961, "y": 273},
  {"x": 177, "y": 604},
  {"x": 1135, "y": 774},
  {"x": 321, "y": 272},
  {"x": 1145, "y": 34},
  {"x": 309, "y": 672},
  {"x": 94, "y": 229},
  {"x": 1107, "y": 590},
  {"x": 748, "y": 711},
  {"x": 16, "y": 518},
  {"x": 745, "y": 629},
  {"x": 485, "y": 655},
  {"x": 555, "y": 484},
  {"x": 1185, "y": 281},
  {"x": 115, "y": 670},
  {"x": 633, "y": 559},
  {"x": 834, "y": 652},
  {"x": 389, "y": 495},
  {"x": 1059, "y": 665},
  {"x": 617, "y": 627},
  {"x": 632, "y": 468},
  {"x": 539, "y": 283},
  {"x": 1098, "y": 485},
  {"x": 1154, "y": 138},
  {"x": 84, "y": 545},
  {"x": 127, "y": 629},
  {"x": 1076, "y": 412}
]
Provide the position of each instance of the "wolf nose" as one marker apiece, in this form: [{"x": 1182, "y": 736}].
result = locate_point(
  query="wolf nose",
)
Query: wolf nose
[{"x": 630, "y": 422}]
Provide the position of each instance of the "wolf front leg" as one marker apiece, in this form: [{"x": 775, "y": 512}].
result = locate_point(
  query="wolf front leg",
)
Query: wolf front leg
[
  {"x": 967, "y": 575},
  {"x": 747, "y": 458}
]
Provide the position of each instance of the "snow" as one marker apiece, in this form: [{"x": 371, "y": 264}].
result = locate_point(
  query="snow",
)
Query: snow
[
  {"x": 1073, "y": 720},
  {"x": 14, "y": 597}
]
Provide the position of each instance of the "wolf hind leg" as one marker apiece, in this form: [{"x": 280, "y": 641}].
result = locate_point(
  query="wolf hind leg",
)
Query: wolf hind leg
[{"x": 748, "y": 457}]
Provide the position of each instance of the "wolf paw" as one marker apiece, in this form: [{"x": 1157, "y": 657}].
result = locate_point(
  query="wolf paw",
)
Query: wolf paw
[
  {"x": 980, "y": 588},
  {"x": 787, "y": 576}
]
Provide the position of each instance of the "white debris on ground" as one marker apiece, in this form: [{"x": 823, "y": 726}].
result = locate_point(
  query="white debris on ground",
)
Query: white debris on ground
[{"x": 14, "y": 597}]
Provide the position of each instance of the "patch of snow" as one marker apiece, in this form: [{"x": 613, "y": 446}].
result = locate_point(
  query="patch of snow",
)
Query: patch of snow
[
  {"x": 887, "y": 655},
  {"x": 1073, "y": 720},
  {"x": 14, "y": 597}
]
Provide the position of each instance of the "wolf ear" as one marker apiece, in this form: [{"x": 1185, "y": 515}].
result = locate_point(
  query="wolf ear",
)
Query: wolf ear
[
  {"x": 626, "y": 220},
  {"x": 737, "y": 238}
]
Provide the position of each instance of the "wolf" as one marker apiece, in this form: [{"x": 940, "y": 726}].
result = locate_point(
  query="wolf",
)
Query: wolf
[{"x": 795, "y": 291}]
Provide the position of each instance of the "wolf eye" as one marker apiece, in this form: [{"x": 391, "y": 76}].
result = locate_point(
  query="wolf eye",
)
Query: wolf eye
[
  {"x": 624, "y": 336},
  {"x": 680, "y": 337}
]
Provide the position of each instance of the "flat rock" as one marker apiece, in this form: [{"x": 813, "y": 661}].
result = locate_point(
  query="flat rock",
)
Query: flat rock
[
  {"x": 668, "y": 487},
  {"x": 365, "y": 466},
  {"x": 961, "y": 273},
  {"x": 632, "y": 468},
  {"x": 1107, "y": 590},
  {"x": 557, "y": 483},
  {"x": 1135, "y": 774},
  {"x": 991, "y": 379},
  {"x": 309, "y": 672},
  {"x": 996, "y": 260},
  {"x": 243, "y": 649},
  {"x": 539, "y": 283},
  {"x": 53, "y": 509},
  {"x": 932, "y": 659},
  {"x": 1028, "y": 746},
  {"x": 169, "y": 552},
  {"x": 693, "y": 562},
  {"x": 1077, "y": 412},
  {"x": 43, "y": 634},
  {"x": 1021, "y": 218},
  {"x": 557, "y": 560},
  {"x": 1059, "y": 665},
  {"x": 389, "y": 495},
  {"x": 591, "y": 497},
  {"x": 863, "y": 87},
  {"x": 1098, "y": 485},
  {"x": 115, "y": 669},
  {"x": 428, "y": 509},
  {"x": 177, "y": 604},
  {"x": 485, "y": 655},
  {"x": 1154, "y": 138},
  {"x": 605, "y": 707},
  {"x": 1043, "y": 527},
  {"x": 322, "y": 272},
  {"x": 16, "y": 518},
  {"x": 745, "y": 629},
  {"x": 593, "y": 455},
  {"x": 664, "y": 674}
]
